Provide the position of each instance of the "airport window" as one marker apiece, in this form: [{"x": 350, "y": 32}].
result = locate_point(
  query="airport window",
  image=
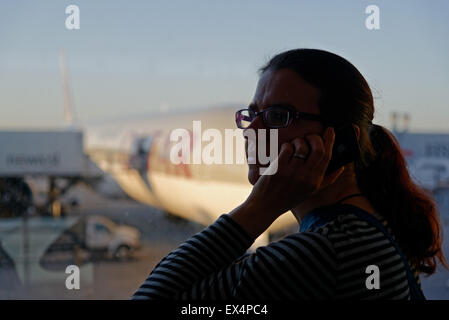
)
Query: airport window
[{"x": 88, "y": 107}]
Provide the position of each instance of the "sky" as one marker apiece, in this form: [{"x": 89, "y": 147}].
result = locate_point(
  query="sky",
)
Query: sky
[{"x": 134, "y": 58}]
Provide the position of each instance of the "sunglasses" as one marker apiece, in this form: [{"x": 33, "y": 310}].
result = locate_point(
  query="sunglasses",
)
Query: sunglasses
[{"x": 274, "y": 117}]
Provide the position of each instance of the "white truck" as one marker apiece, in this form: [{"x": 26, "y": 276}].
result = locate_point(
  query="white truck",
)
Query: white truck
[
  {"x": 117, "y": 241},
  {"x": 94, "y": 237}
]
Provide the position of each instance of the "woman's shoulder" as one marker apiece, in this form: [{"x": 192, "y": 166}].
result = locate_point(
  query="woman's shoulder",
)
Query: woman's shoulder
[
  {"x": 338, "y": 235},
  {"x": 347, "y": 225}
]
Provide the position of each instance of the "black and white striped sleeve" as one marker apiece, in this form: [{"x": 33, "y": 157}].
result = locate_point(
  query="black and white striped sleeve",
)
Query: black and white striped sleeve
[{"x": 207, "y": 266}]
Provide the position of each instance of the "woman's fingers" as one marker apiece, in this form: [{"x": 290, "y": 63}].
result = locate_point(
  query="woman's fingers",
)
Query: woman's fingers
[
  {"x": 286, "y": 159},
  {"x": 301, "y": 148},
  {"x": 317, "y": 151},
  {"x": 321, "y": 149},
  {"x": 287, "y": 150},
  {"x": 293, "y": 179}
]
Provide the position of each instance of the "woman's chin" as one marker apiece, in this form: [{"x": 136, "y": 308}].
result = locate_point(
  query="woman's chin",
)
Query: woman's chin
[{"x": 253, "y": 174}]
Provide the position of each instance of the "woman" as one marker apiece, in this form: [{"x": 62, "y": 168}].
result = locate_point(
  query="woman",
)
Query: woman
[{"x": 305, "y": 93}]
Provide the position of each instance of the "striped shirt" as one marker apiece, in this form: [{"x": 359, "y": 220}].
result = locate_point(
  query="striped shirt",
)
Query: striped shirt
[{"x": 327, "y": 262}]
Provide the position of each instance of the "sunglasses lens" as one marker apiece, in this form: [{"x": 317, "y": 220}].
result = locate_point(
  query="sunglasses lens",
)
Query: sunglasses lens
[
  {"x": 276, "y": 118},
  {"x": 243, "y": 118}
]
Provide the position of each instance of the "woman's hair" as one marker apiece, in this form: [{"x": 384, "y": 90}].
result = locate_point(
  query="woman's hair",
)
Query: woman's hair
[{"x": 382, "y": 175}]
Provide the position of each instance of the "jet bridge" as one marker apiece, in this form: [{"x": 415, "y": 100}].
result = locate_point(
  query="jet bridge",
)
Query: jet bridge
[{"x": 56, "y": 155}]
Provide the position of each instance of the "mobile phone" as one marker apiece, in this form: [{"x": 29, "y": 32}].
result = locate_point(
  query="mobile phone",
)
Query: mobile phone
[{"x": 346, "y": 148}]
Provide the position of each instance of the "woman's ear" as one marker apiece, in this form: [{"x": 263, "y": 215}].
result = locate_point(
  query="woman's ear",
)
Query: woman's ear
[{"x": 357, "y": 131}]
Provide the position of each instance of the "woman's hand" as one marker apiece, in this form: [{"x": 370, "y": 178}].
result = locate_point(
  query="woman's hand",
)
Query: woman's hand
[{"x": 295, "y": 180}]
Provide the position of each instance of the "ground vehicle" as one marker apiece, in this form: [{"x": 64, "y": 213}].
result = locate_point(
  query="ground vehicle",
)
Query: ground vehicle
[
  {"x": 37, "y": 250},
  {"x": 117, "y": 241}
]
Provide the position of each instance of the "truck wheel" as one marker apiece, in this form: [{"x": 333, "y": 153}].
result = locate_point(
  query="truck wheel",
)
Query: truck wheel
[
  {"x": 15, "y": 197},
  {"x": 122, "y": 253}
]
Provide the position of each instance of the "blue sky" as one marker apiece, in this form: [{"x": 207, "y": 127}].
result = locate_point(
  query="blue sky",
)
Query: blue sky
[{"x": 137, "y": 57}]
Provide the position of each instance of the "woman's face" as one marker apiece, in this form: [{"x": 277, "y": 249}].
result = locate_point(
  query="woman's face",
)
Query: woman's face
[{"x": 287, "y": 88}]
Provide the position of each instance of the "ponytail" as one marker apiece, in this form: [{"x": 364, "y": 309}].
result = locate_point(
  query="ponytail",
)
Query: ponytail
[{"x": 409, "y": 210}]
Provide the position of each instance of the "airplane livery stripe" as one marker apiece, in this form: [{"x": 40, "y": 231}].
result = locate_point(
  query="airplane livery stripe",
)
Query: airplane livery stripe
[{"x": 302, "y": 266}]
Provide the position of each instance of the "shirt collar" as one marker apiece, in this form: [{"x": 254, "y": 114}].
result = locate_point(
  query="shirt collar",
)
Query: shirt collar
[{"x": 322, "y": 215}]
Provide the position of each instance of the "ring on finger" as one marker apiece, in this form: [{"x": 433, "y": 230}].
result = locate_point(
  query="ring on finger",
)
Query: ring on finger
[{"x": 300, "y": 156}]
